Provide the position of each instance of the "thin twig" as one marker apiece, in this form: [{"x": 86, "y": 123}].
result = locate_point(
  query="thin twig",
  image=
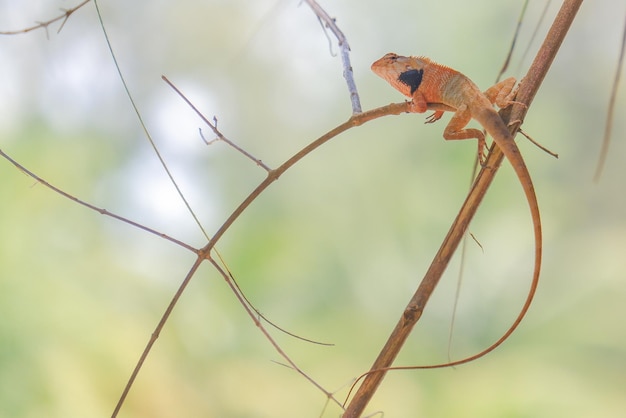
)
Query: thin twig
[
  {"x": 513, "y": 42},
  {"x": 93, "y": 207},
  {"x": 143, "y": 125},
  {"x": 156, "y": 333},
  {"x": 251, "y": 313},
  {"x": 544, "y": 12},
  {"x": 610, "y": 113},
  {"x": 273, "y": 175},
  {"x": 213, "y": 127},
  {"x": 459, "y": 280},
  {"x": 66, "y": 14},
  {"x": 538, "y": 145},
  {"x": 344, "y": 49}
]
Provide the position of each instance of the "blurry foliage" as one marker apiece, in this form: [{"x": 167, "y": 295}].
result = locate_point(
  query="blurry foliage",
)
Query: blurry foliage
[{"x": 332, "y": 251}]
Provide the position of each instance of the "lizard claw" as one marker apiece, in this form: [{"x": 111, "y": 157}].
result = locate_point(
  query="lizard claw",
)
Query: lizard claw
[
  {"x": 514, "y": 122},
  {"x": 512, "y": 102},
  {"x": 434, "y": 117},
  {"x": 481, "y": 151}
]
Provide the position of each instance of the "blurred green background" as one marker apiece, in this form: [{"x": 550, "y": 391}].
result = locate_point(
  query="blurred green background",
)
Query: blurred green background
[{"x": 334, "y": 249}]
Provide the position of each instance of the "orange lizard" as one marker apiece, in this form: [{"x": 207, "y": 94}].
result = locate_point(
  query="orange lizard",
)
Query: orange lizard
[{"x": 425, "y": 81}]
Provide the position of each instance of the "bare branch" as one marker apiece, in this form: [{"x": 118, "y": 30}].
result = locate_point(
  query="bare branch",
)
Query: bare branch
[
  {"x": 538, "y": 145},
  {"x": 145, "y": 128},
  {"x": 157, "y": 332},
  {"x": 66, "y": 14},
  {"x": 273, "y": 175},
  {"x": 92, "y": 207},
  {"x": 505, "y": 65},
  {"x": 348, "y": 73},
  {"x": 610, "y": 113},
  {"x": 546, "y": 6},
  {"x": 213, "y": 126}
]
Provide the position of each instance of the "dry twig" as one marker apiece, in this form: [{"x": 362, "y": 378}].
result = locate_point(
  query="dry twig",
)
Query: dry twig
[{"x": 66, "y": 15}]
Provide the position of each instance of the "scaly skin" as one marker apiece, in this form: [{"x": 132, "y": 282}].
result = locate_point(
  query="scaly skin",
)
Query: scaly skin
[{"x": 425, "y": 81}]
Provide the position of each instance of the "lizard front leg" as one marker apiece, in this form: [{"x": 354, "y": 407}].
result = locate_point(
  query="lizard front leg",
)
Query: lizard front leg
[
  {"x": 454, "y": 130},
  {"x": 418, "y": 104}
]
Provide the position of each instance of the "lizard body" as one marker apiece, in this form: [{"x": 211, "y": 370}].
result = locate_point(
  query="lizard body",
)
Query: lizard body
[{"x": 425, "y": 81}]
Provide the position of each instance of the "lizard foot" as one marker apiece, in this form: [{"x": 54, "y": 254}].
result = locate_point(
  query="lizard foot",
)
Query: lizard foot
[
  {"x": 482, "y": 157},
  {"x": 512, "y": 102},
  {"x": 434, "y": 117}
]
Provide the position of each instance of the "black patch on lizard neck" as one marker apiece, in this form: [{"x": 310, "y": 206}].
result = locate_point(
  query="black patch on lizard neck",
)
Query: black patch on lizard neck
[{"x": 412, "y": 78}]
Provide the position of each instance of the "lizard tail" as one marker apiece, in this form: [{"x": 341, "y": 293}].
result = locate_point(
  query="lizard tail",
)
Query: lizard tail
[{"x": 498, "y": 130}]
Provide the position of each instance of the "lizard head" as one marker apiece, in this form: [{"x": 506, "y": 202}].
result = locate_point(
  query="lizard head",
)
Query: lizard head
[{"x": 403, "y": 73}]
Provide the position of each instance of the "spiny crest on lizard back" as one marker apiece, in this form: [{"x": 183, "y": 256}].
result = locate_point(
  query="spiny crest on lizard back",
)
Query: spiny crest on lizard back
[{"x": 400, "y": 63}]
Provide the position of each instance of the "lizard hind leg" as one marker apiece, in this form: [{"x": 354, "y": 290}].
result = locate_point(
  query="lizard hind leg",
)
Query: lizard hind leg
[
  {"x": 455, "y": 130},
  {"x": 502, "y": 93}
]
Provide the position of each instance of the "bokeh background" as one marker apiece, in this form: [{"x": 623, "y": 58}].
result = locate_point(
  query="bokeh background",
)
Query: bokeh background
[{"x": 334, "y": 249}]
